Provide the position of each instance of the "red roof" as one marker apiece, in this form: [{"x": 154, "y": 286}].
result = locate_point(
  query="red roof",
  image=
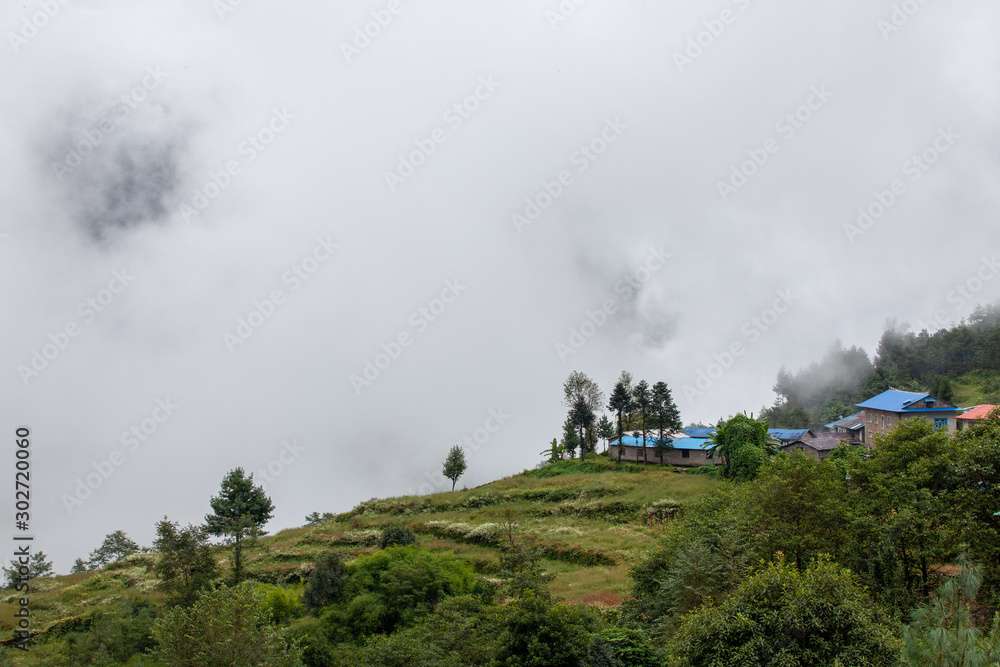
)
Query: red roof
[{"x": 978, "y": 412}]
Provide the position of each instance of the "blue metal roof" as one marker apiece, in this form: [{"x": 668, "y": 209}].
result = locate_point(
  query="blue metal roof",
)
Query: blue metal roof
[
  {"x": 678, "y": 443},
  {"x": 893, "y": 400},
  {"x": 846, "y": 420},
  {"x": 788, "y": 433},
  {"x": 699, "y": 431}
]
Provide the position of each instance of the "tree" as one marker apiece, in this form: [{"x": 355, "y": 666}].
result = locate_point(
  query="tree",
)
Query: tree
[
  {"x": 186, "y": 566},
  {"x": 324, "y": 581},
  {"x": 520, "y": 561},
  {"x": 621, "y": 404},
  {"x": 666, "y": 415},
  {"x": 807, "y": 513},
  {"x": 577, "y": 386},
  {"x": 643, "y": 401},
  {"x": 454, "y": 465},
  {"x": 785, "y": 616},
  {"x": 239, "y": 512},
  {"x": 606, "y": 430},
  {"x": 79, "y": 565},
  {"x": 38, "y": 566},
  {"x": 314, "y": 518},
  {"x": 228, "y": 626},
  {"x": 941, "y": 388},
  {"x": 943, "y": 632},
  {"x": 743, "y": 444},
  {"x": 582, "y": 417},
  {"x": 115, "y": 546},
  {"x": 570, "y": 440}
]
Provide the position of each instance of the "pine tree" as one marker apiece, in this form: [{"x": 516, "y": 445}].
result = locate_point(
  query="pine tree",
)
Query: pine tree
[
  {"x": 239, "y": 512},
  {"x": 38, "y": 566},
  {"x": 943, "y": 633},
  {"x": 666, "y": 414},
  {"x": 454, "y": 465}
]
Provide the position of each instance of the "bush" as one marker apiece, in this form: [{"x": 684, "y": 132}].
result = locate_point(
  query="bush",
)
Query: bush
[
  {"x": 114, "y": 633},
  {"x": 395, "y": 535},
  {"x": 623, "y": 647},
  {"x": 394, "y": 587},
  {"x": 325, "y": 581},
  {"x": 282, "y": 604},
  {"x": 784, "y": 616},
  {"x": 538, "y": 633},
  {"x": 224, "y": 627},
  {"x": 461, "y": 631}
]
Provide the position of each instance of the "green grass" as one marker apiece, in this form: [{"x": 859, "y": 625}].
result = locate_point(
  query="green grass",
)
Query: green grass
[{"x": 976, "y": 388}]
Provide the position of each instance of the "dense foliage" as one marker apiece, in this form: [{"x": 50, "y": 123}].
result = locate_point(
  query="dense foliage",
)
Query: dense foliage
[{"x": 783, "y": 615}]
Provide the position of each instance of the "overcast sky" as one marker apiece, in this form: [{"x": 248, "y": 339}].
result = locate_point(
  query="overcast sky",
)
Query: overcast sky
[{"x": 215, "y": 216}]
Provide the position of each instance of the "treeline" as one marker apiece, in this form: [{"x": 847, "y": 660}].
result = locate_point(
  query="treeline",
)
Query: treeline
[{"x": 829, "y": 389}]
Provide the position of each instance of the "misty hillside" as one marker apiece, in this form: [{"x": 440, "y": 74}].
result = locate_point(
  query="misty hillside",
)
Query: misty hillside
[{"x": 960, "y": 364}]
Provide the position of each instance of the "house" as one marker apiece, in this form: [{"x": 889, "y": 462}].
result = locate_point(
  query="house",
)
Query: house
[
  {"x": 682, "y": 451},
  {"x": 820, "y": 447},
  {"x": 884, "y": 412},
  {"x": 851, "y": 428},
  {"x": 699, "y": 431},
  {"x": 787, "y": 435},
  {"x": 974, "y": 415}
]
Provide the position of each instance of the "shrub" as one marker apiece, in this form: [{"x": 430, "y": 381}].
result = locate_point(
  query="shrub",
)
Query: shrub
[
  {"x": 281, "y": 603},
  {"x": 785, "y": 616},
  {"x": 394, "y": 587},
  {"x": 325, "y": 581},
  {"x": 224, "y": 627},
  {"x": 538, "y": 633},
  {"x": 623, "y": 647},
  {"x": 395, "y": 535}
]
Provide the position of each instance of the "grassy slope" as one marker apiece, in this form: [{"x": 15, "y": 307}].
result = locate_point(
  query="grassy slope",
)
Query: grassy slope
[
  {"x": 591, "y": 520},
  {"x": 976, "y": 388}
]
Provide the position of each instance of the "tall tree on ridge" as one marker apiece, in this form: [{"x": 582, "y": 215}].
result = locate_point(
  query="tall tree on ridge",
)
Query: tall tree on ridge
[
  {"x": 621, "y": 404},
  {"x": 667, "y": 416},
  {"x": 643, "y": 400},
  {"x": 582, "y": 417},
  {"x": 238, "y": 512}
]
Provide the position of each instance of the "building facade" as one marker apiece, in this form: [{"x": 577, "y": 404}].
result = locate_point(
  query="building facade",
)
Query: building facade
[{"x": 885, "y": 412}]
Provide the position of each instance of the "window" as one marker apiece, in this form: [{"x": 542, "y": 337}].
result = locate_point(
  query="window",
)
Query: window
[
  {"x": 940, "y": 423},
  {"x": 685, "y": 454}
]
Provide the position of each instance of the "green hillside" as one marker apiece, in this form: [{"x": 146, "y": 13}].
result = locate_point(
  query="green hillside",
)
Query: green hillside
[{"x": 590, "y": 520}]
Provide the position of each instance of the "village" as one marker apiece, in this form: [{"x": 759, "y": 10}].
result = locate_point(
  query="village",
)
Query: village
[{"x": 691, "y": 446}]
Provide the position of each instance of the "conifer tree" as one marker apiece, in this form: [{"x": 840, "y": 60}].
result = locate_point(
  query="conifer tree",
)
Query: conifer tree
[{"x": 239, "y": 512}]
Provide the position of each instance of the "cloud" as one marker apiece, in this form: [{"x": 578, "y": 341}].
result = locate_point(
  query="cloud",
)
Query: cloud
[{"x": 238, "y": 142}]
